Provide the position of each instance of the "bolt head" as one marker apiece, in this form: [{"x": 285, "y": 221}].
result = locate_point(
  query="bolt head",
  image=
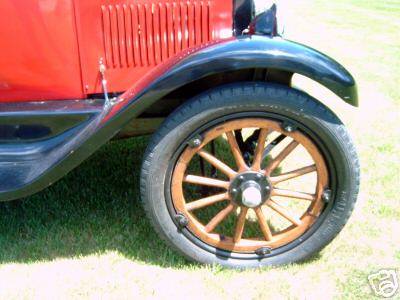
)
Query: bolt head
[
  {"x": 181, "y": 220},
  {"x": 241, "y": 177},
  {"x": 263, "y": 251},
  {"x": 197, "y": 142},
  {"x": 289, "y": 128},
  {"x": 234, "y": 191},
  {"x": 326, "y": 196},
  {"x": 259, "y": 176}
]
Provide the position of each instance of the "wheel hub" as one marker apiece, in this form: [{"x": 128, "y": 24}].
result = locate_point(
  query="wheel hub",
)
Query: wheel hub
[{"x": 250, "y": 189}]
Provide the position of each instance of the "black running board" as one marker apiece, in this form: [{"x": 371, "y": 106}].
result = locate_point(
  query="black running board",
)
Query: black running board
[{"x": 35, "y": 135}]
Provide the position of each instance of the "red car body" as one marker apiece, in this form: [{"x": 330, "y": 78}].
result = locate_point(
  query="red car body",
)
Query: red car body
[{"x": 51, "y": 49}]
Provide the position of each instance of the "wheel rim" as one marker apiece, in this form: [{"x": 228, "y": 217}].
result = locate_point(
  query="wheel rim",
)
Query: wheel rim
[{"x": 248, "y": 189}]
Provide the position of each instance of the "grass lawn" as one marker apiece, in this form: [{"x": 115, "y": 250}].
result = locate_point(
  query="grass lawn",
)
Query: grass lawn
[{"x": 87, "y": 235}]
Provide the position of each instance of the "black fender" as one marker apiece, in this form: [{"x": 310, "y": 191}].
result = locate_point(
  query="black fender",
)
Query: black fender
[
  {"x": 256, "y": 52},
  {"x": 194, "y": 64}
]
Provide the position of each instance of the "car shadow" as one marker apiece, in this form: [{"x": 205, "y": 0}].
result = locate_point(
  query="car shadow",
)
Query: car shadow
[{"x": 94, "y": 209}]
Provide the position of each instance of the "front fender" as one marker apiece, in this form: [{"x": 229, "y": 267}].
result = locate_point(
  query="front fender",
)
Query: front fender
[
  {"x": 245, "y": 53},
  {"x": 229, "y": 55}
]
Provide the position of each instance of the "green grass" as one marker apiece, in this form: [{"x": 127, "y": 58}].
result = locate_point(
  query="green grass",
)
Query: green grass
[{"x": 87, "y": 235}]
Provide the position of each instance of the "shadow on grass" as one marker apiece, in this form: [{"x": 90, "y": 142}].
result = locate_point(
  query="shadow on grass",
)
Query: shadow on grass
[{"x": 93, "y": 209}]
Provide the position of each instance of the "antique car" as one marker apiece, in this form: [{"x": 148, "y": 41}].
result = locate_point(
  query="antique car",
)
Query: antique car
[{"x": 242, "y": 169}]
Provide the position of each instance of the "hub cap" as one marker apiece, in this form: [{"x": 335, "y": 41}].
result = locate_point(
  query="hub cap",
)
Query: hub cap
[
  {"x": 250, "y": 189},
  {"x": 251, "y": 196},
  {"x": 233, "y": 198}
]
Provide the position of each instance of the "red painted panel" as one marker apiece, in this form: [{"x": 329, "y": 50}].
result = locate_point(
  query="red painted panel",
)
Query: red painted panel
[
  {"x": 39, "y": 57},
  {"x": 133, "y": 36},
  {"x": 51, "y": 49}
]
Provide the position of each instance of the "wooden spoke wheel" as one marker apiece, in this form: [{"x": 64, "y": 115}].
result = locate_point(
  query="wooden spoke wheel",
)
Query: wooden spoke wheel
[
  {"x": 250, "y": 175},
  {"x": 246, "y": 188}
]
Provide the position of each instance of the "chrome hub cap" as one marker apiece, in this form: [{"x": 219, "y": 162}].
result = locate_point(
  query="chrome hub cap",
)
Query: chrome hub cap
[{"x": 250, "y": 189}]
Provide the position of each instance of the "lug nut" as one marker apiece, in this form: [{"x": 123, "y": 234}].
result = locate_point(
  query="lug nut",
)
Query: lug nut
[
  {"x": 241, "y": 177},
  {"x": 181, "y": 220},
  {"x": 263, "y": 251},
  {"x": 326, "y": 196},
  {"x": 234, "y": 191},
  {"x": 288, "y": 127},
  {"x": 196, "y": 142}
]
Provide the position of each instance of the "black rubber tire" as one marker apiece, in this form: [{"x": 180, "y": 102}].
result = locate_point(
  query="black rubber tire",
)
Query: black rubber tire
[{"x": 250, "y": 98}]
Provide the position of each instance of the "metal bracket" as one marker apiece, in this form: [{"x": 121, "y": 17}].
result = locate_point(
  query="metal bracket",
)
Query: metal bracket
[{"x": 102, "y": 70}]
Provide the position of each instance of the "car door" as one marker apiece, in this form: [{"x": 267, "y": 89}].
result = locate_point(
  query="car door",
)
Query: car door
[{"x": 39, "y": 57}]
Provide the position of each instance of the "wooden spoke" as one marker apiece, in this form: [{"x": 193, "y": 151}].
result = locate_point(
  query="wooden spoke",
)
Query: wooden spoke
[
  {"x": 237, "y": 154},
  {"x": 206, "y": 181},
  {"x": 206, "y": 201},
  {"x": 293, "y": 194},
  {"x": 219, "y": 218},
  {"x": 234, "y": 239},
  {"x": 293, "y": 174},
  {"x": 240, "y": 224},
  {"x": 283, "y": 212},
  {"x": 258, "y": 155},
  {"x": 263, "y": 224},
  {"x": 280, "y": 157},
  {"x": 217, "y": 163}
]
